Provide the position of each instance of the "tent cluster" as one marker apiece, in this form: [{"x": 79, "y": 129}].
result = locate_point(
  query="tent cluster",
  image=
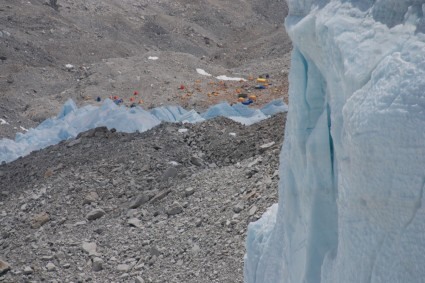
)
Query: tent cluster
[
  {"x": 133, "y": 101},
  {"x": 246, "y": 92},
  {"x": 264, "y": 83}
]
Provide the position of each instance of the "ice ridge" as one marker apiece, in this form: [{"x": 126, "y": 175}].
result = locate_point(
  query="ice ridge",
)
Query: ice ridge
[{"x": 72, "y": 120}]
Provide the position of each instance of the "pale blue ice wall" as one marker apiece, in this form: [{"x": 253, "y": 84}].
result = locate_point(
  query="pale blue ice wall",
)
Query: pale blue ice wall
[
  {"x": 353, "y": 161},
  {"x": 73, "y": 120}
]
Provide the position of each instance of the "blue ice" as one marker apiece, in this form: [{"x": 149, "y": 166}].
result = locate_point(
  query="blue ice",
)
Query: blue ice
[
  {"x": 352, "y": 163},
  {"x": 72, "y": 120}
]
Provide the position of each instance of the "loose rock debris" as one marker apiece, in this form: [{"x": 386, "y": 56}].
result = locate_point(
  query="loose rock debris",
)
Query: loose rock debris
[{"x": 109, "y": 214}]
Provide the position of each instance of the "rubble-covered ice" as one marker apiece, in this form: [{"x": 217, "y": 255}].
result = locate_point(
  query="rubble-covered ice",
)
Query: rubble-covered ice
[
  {"x": 352, "y": 164},
  {"x": 72, "y": 120}
]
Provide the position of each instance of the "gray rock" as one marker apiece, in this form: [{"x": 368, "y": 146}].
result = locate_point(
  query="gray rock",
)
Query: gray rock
[
  {"x": 24, "y": 207},
  {"x": 198, "y": 222},
  {"x": 135, "y": 222},
  {"x": 174, "y": 209},
  {"x": 66, "y": 265},
  {"x": 251, "y": 172},
  {"x": 153, "y": 260},
  {"x": 131, "y": 213},
  {"x": 97, "y": 264},
  {"x": 4, "y": 267},
  {"x": 160, "y": 195},
  {"x": 47, "y": 257},
  {"x": 196, "y": 249},
  {"x": 74, "y": 142},
  {"x": 255, "y": 162},
  {"x": 10, "y": 79},
  {"x": 267, "y": 180},
  {"x": 154, "y": 251},
  {"x": 50, "y": 266},
  {"x": 123, "y": 267},
  {"x": 253, "y": 210},
  {"x": 196, "y": 161},
  {"x": 5, "y": 234},
  {"x": 53, "y": 4},
  {"x": 90, "y": 248},
  {"x": 95, "y": 214},
  {"x": 91, "y": 197},
  {"x": 139, "y": 280},
  {"x": 267, "y": 146},
  {"x": 28, "y": 270},
  {"x": 80, "y": 223},
  {"x": 69, "y": 67},
  {"x": 171, "y": 172},
  {"x": 189, "y": 191},
  {"x": 39, "y": 220},
  {"x": 238, "y": 208},
  {"x": 141, "y": 199}
]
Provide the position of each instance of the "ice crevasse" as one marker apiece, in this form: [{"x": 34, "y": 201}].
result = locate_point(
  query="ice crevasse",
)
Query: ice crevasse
[{"x": 351, "y": 196}]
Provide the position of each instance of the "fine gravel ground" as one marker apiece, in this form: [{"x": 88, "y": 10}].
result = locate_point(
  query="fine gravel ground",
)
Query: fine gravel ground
[
  {"x": 168, "y": 205},
  {"x": 100, "y": 48}
]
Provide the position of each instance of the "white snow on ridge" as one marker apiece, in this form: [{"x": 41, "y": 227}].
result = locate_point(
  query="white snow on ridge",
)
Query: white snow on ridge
[
  {"x": 222, "y": 77},
  {"x": 202, "y": 72},
  {"x": 352, "y": 179}
]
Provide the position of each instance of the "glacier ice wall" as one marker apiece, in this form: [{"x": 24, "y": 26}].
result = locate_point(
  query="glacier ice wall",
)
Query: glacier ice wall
[
  {"x": 353, "y": 160},
  {"x": 72, "y": 120}
]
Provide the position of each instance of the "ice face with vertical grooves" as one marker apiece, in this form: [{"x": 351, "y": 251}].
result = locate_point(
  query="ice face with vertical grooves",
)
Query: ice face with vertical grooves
[{"x": 352, "y": 164}]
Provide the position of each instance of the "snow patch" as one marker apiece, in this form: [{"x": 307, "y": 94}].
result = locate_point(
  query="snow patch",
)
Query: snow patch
[
  {"x": 226, "y": 78},
  {"x": 202, "y": 72}
]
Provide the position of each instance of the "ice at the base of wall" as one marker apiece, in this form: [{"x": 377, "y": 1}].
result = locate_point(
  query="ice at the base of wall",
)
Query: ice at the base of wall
[
  {"x": 72, "y": 120},
  {"x": 353, "y": 161}
]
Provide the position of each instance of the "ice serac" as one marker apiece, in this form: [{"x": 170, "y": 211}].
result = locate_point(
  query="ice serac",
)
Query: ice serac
[{"x": 352, "y": 164}]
